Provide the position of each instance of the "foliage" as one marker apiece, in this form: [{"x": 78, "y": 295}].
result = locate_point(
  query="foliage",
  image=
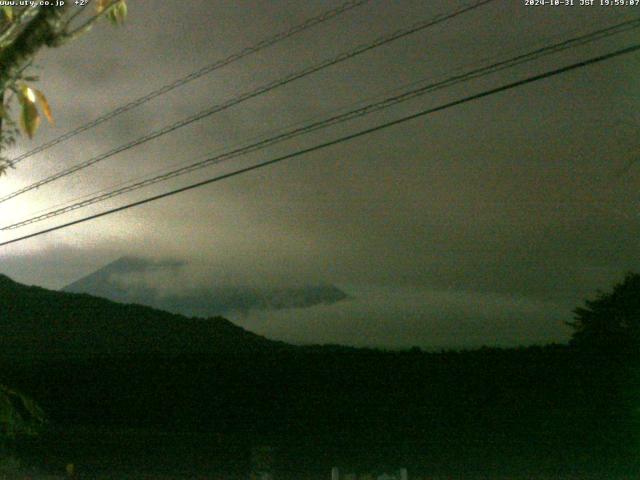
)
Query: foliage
[
  {"x": 611, "y": 322},
  {"x": 23, "y": 32},
  {"x": 19, "y": 415}
]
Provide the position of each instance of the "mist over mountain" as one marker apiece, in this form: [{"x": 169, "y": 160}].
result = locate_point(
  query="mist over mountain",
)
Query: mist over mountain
[
  {"x": 172, "y": 286},
  {"x": 36, "y": 321}
]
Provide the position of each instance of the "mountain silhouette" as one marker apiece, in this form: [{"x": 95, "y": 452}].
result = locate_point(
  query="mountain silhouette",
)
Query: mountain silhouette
[
  {"x": 156, "y": 284},
  {"x": 37, "y": 321}
]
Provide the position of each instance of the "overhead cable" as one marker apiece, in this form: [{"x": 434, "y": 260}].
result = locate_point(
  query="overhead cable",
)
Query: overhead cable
[
  {"x": 218, "y": 64},
  {"x": 350, "y": 115},
  {"x": 367, "y": 131},
  {"x": 249, "y": 95}
]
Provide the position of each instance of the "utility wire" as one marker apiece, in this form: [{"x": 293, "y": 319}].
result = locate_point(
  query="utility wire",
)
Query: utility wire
[
  {"x": 367, "y": 131},
  {"x": 272, "y": 132},
  {"x": 234, "y": 57},
  {"x": 199, "y": 158},
  {"x": 251, "y": 94},
  {"x": 358, "y": 112}
]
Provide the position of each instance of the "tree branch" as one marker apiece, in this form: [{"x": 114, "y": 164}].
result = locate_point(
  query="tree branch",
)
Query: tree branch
[
  {"x": 87, "y": 25},
  {"x": 23, "y": 18},
  {"x": 42, "y": 31}
]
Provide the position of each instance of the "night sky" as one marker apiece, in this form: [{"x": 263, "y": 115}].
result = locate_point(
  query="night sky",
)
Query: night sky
[{"x": 486, "y": 223}]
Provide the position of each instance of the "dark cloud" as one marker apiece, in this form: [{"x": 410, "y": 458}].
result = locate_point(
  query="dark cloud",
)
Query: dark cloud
[{"x": 513, "y": 197}]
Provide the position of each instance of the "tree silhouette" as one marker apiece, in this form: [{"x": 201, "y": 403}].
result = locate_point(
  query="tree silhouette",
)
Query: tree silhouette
[{"x": 611, "y": 322}]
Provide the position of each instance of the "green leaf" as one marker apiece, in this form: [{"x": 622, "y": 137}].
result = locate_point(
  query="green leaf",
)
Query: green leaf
[
  {"x": 18, "y": 414},
  {"x": 25, "y": 93},
  {"x": 30, "y": 118},
  {"x": 118, "y": 13},
  {"x": 8, "y": 13}
]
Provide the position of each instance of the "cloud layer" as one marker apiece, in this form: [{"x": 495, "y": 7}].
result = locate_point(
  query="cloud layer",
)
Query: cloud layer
[{"x": 513, "y": 197}]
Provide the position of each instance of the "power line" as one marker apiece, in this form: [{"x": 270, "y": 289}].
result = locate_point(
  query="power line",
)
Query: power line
[
  {"x": 234, "y": 57},
  {"x": 358, "y": 112},
  {"x": 337, "y": 141},
  {"x": 251, "y": 94},
  {"x": 617, "y": 28}
]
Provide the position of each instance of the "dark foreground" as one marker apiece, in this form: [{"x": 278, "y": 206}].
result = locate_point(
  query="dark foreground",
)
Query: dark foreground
[{"x": 535, "y": 412}]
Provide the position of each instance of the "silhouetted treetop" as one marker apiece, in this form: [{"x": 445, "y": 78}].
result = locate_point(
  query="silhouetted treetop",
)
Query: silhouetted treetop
[{"x": 612, "y": 320}]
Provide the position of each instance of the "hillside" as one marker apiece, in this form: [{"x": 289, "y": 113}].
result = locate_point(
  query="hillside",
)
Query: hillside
[
  {"x": 36, "y": 321},
  {"x": 93, "y": 363}
]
